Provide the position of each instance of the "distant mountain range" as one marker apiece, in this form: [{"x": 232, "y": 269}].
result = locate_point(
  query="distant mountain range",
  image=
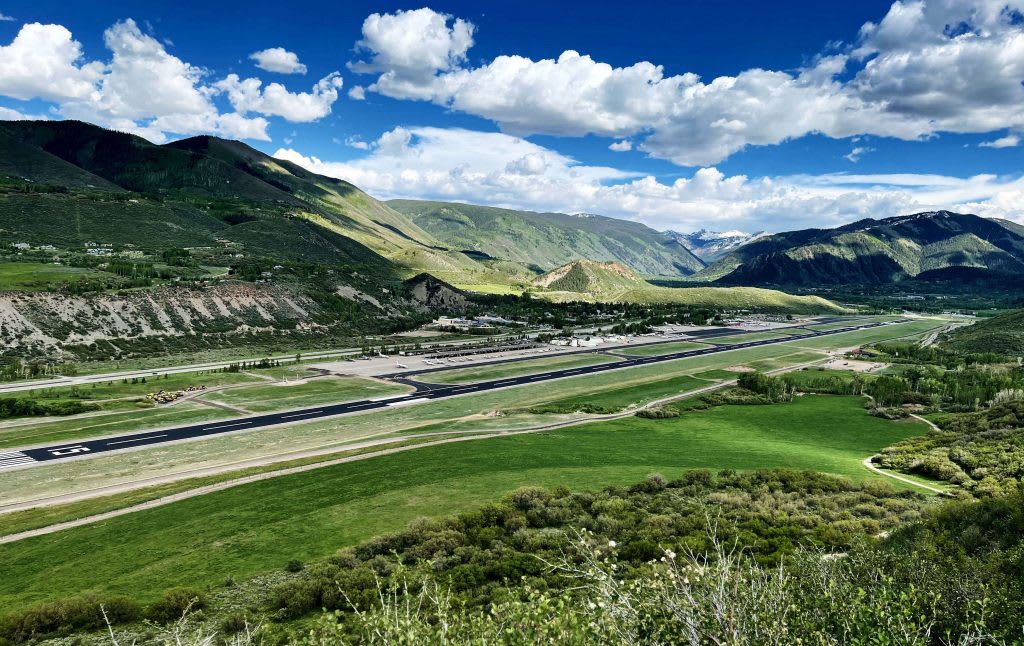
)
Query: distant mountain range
[
  {"x": 710, "y": 245},
  {"x": 547, "y": 240},
  {"x": 936, "y": 245},
  {"x": 67, "y": 183}
]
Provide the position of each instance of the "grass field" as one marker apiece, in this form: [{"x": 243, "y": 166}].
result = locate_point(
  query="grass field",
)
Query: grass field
[
  {"x": 468, "y": 412},
  {"x": 21, "y": 275},
  {"x": 750, "y": 336},
  {"x": 92, "y": 425},
  {"x": 490, "y": 288},
  {"x": 812, "y": 374},
  {"x": 774, "y": 363},
  {"x": 253, "y": 528},
  {"x": 660, "y": 348},
  {"x": 514, "y": 369},
  {"x": 873, "y": 335},
  {"x": 296, "y": 394},
  {"x": 620, "y": 398},
  {"x": 116, "y": 388}
]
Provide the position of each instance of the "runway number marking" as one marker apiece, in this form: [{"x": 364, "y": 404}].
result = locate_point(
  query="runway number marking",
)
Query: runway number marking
[{"x": 69, "y": 450}]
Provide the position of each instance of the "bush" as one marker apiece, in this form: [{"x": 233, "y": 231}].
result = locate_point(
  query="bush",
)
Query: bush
[
  {"x": 658, "y": 413},
  {"x": 176, "y": 603},
  {"x": 234, "y": 622},
  {"x": 294, "y": 565},
  {"x": 67, "y": 615}
]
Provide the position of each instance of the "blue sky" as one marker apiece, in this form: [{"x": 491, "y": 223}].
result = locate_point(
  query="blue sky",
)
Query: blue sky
[{"x": 712, "y": 114}]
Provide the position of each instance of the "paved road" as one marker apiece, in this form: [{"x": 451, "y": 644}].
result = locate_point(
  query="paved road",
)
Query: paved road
[{"x": 28, "y": 457}]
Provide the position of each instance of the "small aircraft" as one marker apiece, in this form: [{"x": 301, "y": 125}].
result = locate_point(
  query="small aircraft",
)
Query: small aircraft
[{"x": 401, "y": 365}]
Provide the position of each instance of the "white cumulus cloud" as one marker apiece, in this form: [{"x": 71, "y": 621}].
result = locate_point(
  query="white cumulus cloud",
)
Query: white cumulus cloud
[
  {"x": 923, "y": 68},
  {"x": 502, "y": 170},
  {"x": 278, "y": 59},
  {"x": 44, "y": 61},
  {"x": 146, "y": 90},
  {"x": 275, "y": 100},
  {"x": 1009, "y": 141},
  {"x": 409, "y": 47}
]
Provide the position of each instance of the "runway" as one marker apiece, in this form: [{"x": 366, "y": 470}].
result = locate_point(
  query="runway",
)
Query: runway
[{"x": 13, "y": 459}]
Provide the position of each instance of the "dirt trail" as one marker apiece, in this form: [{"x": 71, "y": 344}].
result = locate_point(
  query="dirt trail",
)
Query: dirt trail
[{"x": 874, "y": 469}]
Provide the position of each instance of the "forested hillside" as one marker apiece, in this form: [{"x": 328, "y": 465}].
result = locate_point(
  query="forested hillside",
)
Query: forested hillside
[
  {"x": 925, "y": 246},
  {"x": 547, "y": 240}
]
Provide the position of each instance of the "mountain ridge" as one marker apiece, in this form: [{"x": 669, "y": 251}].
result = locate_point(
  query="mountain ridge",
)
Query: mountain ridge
[
  {"x": 710, "y": 245},
  {"x": 548, "y": 240},
  {"x": 873, "y": 251}
]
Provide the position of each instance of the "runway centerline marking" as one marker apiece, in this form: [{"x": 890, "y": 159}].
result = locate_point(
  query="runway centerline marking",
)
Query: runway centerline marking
[
  {"x": 137, "y": 439},
  {"x": 302, "y": 414},
  {"x": 214, "y": 428}
]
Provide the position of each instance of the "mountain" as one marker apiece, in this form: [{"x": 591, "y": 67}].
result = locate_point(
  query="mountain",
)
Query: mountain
[
  {"x": 613, "y": 282},
  {"x": 547, "y": 240},
  {"x": 68, "y": 183},
  {"x": 227, "y": 211},
  {"x": 933, "y": 245},
  {"x": 710, "y": 245}
]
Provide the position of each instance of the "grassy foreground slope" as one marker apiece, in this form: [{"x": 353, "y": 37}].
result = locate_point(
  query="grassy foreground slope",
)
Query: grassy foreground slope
[{"x": 259, "y": 527}]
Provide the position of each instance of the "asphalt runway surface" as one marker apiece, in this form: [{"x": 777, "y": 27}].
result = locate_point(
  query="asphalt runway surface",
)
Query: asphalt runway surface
[{"x": 10, "y": 459}]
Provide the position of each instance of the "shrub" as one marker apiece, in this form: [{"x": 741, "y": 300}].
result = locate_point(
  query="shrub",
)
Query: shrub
[
  {"x": 66, "y": 615},
  {"x": 175, "y": 604},
  {"x": 234, "y": 622}
]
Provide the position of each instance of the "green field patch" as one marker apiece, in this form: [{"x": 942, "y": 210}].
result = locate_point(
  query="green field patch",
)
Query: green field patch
[
  {"x": 124, "y": 388},
  {"x": 24, "y": 434},
  {"x": 810, "y": 375},
  {"x": 515, "y": 368},
  {"x": 750, "y": 336},
  {"x": 615, "y": 399},
  {"x": 774, "y": 363},
  {"x": 34, "y": 275},
  {"x": 259, "y": 527},
  {"x": 873, "y": 335},
  {"x": 297, "y": 394},
  {"x": 717, "y": 375},
  {"x": 832, "y": 326},
  {"x": 490, "y": 288},
  {"x": 660, "y": 348}
]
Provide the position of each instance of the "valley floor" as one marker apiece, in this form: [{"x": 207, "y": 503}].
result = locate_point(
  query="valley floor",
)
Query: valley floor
[{"x": 393, "y": 465}]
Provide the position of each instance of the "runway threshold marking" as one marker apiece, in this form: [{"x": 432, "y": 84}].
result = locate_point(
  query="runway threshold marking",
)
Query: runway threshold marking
[
  {"x": 10, "y": 459},
  {"x": 408, "y": 401}
]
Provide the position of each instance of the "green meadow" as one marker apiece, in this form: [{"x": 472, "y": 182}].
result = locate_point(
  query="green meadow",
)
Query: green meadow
[{"x": 258, "y": 527}]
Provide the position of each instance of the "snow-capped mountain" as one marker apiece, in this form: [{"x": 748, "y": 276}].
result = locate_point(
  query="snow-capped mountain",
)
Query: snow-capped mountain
[{"x": 709, "y": 245}]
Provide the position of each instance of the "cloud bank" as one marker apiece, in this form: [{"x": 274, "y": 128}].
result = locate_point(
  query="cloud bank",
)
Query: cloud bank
[{"x": 503, "y": 170}]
